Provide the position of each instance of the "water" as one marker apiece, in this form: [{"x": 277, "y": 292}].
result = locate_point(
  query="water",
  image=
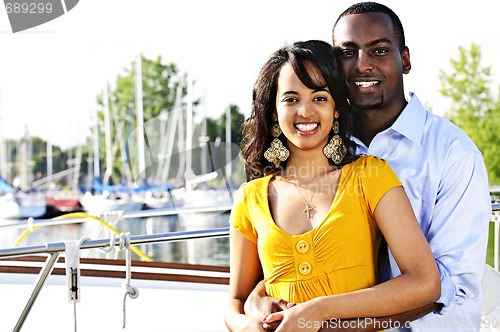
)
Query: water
[{"x": 213, "y": 251}]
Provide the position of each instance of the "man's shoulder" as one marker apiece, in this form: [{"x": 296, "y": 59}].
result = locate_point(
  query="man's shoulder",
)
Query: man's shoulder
[{"x": 439, "y": 130}]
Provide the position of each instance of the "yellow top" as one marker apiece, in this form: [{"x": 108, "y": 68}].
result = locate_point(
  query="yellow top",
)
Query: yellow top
[{"x": 337, "y": 256}]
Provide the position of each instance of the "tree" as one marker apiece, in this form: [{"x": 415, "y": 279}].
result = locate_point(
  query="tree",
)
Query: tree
[
  {"x": 473, "y": 107},
  {"x": 216, "y": 127}
]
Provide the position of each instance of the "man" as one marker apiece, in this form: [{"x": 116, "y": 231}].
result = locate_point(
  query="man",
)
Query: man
[{"x": 441, "y": 169}]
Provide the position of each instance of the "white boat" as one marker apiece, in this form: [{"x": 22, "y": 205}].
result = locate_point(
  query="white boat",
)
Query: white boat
[
  {"x": 21, "y": 206},
  {"x": 98, "y": 204}
]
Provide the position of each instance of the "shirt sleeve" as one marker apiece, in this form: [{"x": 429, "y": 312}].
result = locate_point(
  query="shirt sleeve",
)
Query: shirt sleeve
[
  {"x": 239, "y": 217},
  {"x": 458, "y": 234}
]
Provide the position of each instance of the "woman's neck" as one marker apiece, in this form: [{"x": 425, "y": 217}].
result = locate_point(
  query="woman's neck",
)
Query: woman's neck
[{"x": 305, "y": 170}]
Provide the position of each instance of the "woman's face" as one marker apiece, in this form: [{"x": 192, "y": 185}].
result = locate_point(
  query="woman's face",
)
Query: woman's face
[{"x": 304, "y": 115}]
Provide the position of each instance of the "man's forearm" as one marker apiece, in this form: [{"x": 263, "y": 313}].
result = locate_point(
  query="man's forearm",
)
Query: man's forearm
[{"x": 379, "y": 323}]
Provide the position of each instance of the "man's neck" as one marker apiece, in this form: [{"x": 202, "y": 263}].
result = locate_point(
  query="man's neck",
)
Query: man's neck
[{"x": 368, "y": 123}]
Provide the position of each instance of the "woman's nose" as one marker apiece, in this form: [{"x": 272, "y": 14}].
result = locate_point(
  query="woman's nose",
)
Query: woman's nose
[{"x": 305, "y": 109}]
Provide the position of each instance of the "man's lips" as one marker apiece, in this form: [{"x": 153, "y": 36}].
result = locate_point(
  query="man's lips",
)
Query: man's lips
[{"x": 366, "y": 84}]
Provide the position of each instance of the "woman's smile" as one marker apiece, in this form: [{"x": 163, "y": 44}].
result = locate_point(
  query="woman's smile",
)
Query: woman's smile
[{"x": 307, "y": 128}]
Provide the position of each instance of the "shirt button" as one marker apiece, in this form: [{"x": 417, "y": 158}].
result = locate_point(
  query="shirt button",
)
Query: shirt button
[
  {"x": 305, "y": 268},
  {"x": 302, "y": 246}
]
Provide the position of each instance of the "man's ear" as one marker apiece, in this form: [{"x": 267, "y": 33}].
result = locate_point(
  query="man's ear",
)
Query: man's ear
[{"x": 405, "y": 60}]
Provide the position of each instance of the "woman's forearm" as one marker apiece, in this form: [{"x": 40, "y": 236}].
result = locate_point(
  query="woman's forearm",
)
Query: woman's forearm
[
  {"x": 401, "y": 294},
  {"x": 376, "y": 324}
]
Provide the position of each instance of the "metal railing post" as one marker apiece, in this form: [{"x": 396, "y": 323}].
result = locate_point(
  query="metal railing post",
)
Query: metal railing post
[{"x": 42, "y": 276}]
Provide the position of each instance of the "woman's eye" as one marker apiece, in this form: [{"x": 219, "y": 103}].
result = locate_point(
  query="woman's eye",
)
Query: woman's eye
[
  {"x": 320, "y": 98},
  {"x": 289, "y": 100}
]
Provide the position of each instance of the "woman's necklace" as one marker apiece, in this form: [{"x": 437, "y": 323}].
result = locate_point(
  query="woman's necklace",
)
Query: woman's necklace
[{"x": 309, "y": 208}]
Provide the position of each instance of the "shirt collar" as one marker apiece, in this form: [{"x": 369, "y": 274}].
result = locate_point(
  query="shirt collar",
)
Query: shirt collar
[{"x": 410, "y": 123}]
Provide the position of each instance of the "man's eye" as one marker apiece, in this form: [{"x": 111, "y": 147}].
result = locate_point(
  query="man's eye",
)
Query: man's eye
[
  {"x": 347, "y": 53},
  {"x": 380, "y": 51}
]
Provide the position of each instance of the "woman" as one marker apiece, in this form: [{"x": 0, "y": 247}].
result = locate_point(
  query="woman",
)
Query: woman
[{"x": 313, "y": 214}]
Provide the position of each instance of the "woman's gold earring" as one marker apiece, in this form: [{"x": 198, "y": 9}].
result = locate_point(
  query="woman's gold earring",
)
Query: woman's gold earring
[
  {"x": 335, "y": 149},
  {"x": 277, "y": 152}
]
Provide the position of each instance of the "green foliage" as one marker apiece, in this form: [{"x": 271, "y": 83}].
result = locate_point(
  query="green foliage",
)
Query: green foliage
[
  {"x": 217, "y": 127},
  {"x": 473, "y": 107}
]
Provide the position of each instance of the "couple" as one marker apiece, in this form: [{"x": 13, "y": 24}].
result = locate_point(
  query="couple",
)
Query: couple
[{"x": 313, "y": 216}]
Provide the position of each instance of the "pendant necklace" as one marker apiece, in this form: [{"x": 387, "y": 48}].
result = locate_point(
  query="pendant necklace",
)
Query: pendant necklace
[{"x": 309, "y": 208}]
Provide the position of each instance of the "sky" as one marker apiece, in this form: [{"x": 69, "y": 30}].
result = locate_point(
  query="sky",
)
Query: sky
[{"x": 50, "y": 75}]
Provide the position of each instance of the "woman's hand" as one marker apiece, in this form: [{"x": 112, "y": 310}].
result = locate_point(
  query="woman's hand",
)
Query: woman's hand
[
  {"x": 254, "y": 324},
  {"x": 301, "y": 317},
  {"x": 258, "y": 303}
]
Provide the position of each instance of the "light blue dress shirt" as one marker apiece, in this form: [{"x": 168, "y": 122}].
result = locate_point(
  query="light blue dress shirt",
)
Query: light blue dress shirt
[{"x": 445, "y": 178}]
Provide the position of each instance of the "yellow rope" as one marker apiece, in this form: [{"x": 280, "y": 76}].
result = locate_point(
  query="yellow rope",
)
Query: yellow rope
[
  {"x": 24, "y": 234},
  {"x": 136, "y": 250}
]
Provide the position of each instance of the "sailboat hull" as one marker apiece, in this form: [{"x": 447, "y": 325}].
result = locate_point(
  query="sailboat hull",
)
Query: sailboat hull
[{"x": 11, "y": 208}]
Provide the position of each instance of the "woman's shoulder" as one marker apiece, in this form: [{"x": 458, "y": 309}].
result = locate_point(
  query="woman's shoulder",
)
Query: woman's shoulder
[
  {"x": 368, "y": 160},
  {"x": 252, "y": 186},
  {"x": 256, "y": 184},
  {"x": 370, "y": 167}
]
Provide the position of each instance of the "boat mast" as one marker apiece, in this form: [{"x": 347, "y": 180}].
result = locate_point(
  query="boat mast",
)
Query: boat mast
[
  {"x": 49, "y": 167},
  {"x": 189, "y": 133},
  {"x": 3, "y": 152},
  {"x": 140, "y": 119},
  {"x": 228, "y": 141},
  {"x": 107, "y": 136},
  {"x": 97, "y": 171},
  {"x": 167, "y": 139}
]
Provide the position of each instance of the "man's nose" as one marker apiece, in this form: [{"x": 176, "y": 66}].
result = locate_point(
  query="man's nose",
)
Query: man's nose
[{"x": 364, "y": 62}]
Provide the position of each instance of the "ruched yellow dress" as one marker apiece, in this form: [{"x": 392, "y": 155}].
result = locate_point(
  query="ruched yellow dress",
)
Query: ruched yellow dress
[{"x": 337, "y": 256}]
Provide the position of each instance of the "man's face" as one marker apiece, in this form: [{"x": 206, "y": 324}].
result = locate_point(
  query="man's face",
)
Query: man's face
[{"x": 370, "y": 60}]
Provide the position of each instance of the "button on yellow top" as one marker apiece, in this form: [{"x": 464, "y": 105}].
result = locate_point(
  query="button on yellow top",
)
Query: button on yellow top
[
  {"x": 305, "y": 268},
  {"x": 302, "y": 246}
]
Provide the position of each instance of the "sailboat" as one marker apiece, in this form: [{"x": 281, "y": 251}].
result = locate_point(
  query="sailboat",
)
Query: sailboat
[
  {"x": 23, "y": 203},
  {"x": 19, "y": 205}
]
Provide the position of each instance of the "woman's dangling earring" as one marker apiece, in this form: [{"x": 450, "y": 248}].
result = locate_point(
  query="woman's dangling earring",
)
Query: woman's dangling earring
[
  {"x": 335, "y": 149},
  {"x": 277, "y": 152}
]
